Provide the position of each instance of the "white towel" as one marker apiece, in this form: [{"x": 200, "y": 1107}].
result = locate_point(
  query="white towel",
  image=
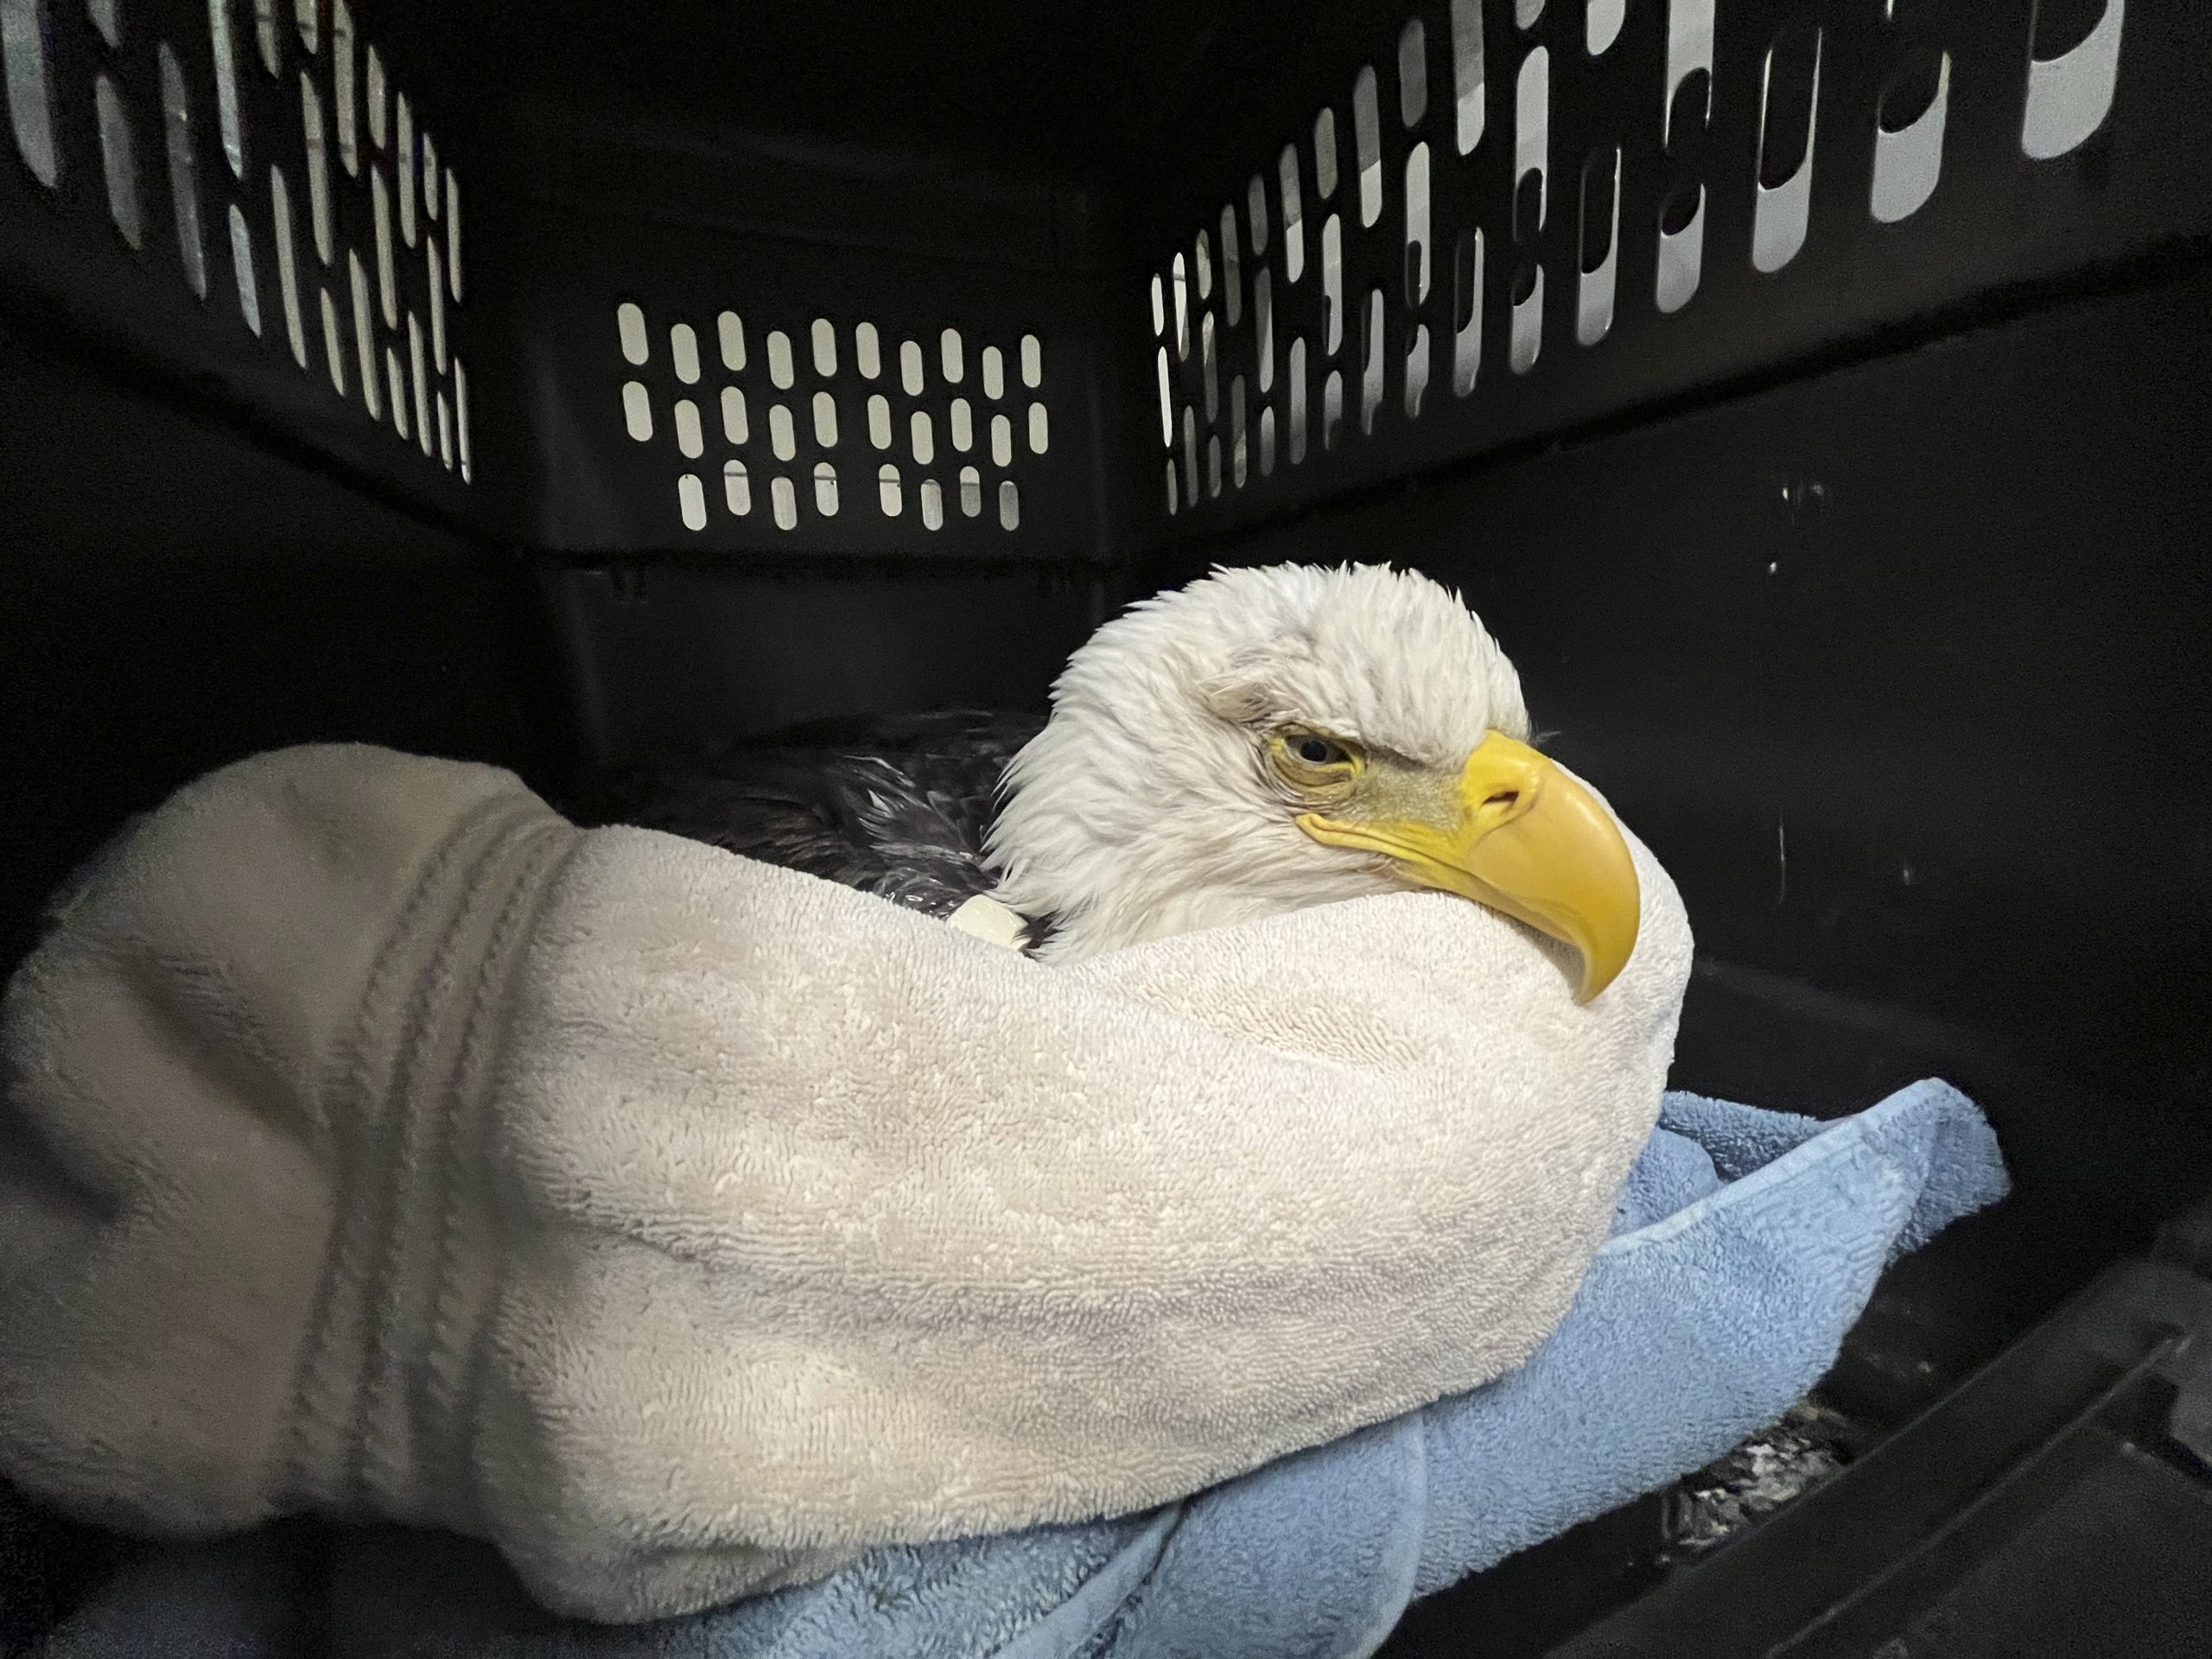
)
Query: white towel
[{"x": 377, "y": 1143}]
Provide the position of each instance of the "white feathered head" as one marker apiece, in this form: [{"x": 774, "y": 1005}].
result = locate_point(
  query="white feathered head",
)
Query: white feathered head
[{"x": 1267, "y": 739}]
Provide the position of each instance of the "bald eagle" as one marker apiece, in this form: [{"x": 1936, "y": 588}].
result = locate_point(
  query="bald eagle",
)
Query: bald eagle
[{"x": 1258, "y": 742}]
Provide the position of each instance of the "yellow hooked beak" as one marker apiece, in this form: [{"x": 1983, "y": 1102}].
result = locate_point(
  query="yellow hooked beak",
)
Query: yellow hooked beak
[{"x": 1521, "y": 836}]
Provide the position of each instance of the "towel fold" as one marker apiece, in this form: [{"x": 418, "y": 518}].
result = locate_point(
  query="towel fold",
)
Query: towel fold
[
  {"x": 1745, "y": 1244},
  {"x": 380, "y": 1145}
]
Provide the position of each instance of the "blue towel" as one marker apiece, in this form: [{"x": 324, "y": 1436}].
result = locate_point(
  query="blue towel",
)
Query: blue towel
[{"x": 1744, "y": 1244}]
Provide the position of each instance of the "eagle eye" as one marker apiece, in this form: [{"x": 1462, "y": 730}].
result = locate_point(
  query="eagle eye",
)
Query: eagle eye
[
  {"x": 1319, "y": 752},
  {"x": 1298, "y": 755}
]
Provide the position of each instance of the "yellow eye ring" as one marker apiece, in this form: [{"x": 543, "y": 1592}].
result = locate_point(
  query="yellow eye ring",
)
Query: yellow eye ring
[{"x": 1313, "y": 758}]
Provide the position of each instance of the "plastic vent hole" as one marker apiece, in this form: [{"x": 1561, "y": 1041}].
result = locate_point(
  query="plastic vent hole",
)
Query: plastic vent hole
[
  {"x": 1416, "y": 370},
  {"x": 1295, "y": 372},
  {"x": 1599, "y": 259},
  {"x": 1790, "y": 107},
  {"x": 1239, "y": 448},
  {"x": 317, "y": 144},
  {"x": 950, "y": 357},
  {"x": 823, "y": 338},
  {"x": 430, "y": 194},
  {"x": 922, "y": 438},
  {"x": 120, "y": 163},
  {"x": 1332, "y": 409},
  {"x": 395, "y": 382},
  {"x": 1267, "y": 440},
  {"x": 445, "y": 431},
  {"x": 380, "y": 206},
  {"x": 1789, "y": 91},
  {"x": 1255, "y": 213},
  {"x": 1158, "y": 307},
  {"x": 630, "y": 323},
  {"x": 1208, "y": 373},
  {"x": 963, "y": 426},
  {"x": 889, "y": 495},
  {"x": 780, "y": 365},
  {"x": 1174, "y": 494},
  {"x": 403, "y": 167},
  {"x": 910, "y": 367},
  {"x": 1367, "y": 141},
  {"x": 1908, "y": 138},
  {"x": 1202, "y": 257},
  {"x": 341, "y": 86},
  {"x": 287, "y": 271},
  {"x": 684, "y": 352},
  {"x": 1009, "y": 505},
  {"x": 994, "y": 373},
  {"x": 1333, "y": 285},
  {"x": 334, "y": 347},
  {"x": 826, "y": 489},
  {"x": 308, "y": 15},
  {"x": 106, "y": 19},
  {"x": 1190, "y": 455},
  {"x": 242, "y": 270},
  {"x": 1532, "y": 146},
  {"x": 1179, "y": 281},
  {"x": 826, "y": 420},
  {"x": 374, "y": 94},
  {"x": 1686, "y": 114},
  {"x": 1213, "y": 467},
  {"x": 729, "y": 333},
  {"x": 461, "y": 421},
  {"x": 1002, "y": 429},
  {"x": 867, "y": 352},
  {"x": 932, "y": 504},
  {"x": 737, "y": 489},
  {"x": 1467, "y": 107},
  {"x": 421, "y": 383},
  {"x": 1033, "y": 362},
  {"x": 264, "y": 29},
  {"x": 1527, "y": 14},
  {"x": 1681, "y": 247},
  {"x": 1689, "y": 73},
  {"x": 1527, "y": 336},
  {"x": 1325, "y": 154},
  {"x": 1371, "y": 376},
  {"x": 438, "y": 304},
  {"x": 365, "y": 346},
  {"x": 1601, "y": 25},
  {"x": 784, "y": 499},
  {"x": 1293, "y": 223},
  {"x": 690, "y": 436},
  {"x": 453, "y": 236},
  {"x": 1263, "y": 313},
  {"x": 1466, "y": 312},
  {"x": 691, "y": 501},
  {"x": 1417, "y": 226},
  {"x": 1232, "y": 262},
  {"x": 2073, "y": 71},
  {"x": 1040, "y": 437},
  {"x": 1528, "y": 209},
  {"x": 184, "y": 176},
  {"x": 1413, "y": 74},
  {"x": 878, "y": 421},
  {"x": 736, "y": 429},
  {"x": 971, "y": 492},
  {"x": 783, "y": 437},
  {"x": 223, "y": 44}
]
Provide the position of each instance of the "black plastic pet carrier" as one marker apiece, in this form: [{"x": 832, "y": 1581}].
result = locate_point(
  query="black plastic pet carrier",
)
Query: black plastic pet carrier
[{"x": 1813, "y": 395}]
